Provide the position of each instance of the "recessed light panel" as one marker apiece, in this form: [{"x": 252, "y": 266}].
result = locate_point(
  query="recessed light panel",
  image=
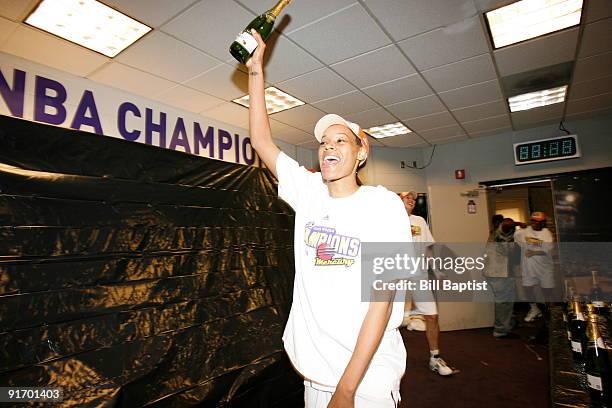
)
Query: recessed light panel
[
  {"x": 527, "y": 19},
  {"x": 392, "y": 129},
  {"x": 276, "y": 100},
  {"x": 536, "y": 99},
  {"x": 88, "y": 23}
]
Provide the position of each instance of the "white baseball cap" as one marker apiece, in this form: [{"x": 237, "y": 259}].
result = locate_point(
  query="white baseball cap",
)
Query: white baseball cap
[{"x": 333, "y": 119}]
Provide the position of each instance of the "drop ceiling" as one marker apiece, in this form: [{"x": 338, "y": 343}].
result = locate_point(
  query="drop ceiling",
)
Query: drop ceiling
[{"x": 428, "y": 64}]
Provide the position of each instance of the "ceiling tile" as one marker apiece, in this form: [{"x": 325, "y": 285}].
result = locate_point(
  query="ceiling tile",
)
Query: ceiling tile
[
  {"x": 598, "y": 102},
  {"x": 375, "y": 67},
  {"x": 527, "y": 118},
  {"x": 399, "y": 90},
  {"x": 372, "y": 117},
  {"x": 446, "y": 140},
  {"x": 596, "y": 38},
  {"x": 442, "y": 133},
  {"x": 462, "y": 73},
  {"x": 288, "y": 133},
  {"x": 52, "y": 51},
  {"x": 598, "y": 9},
  {"x": 472, "y": 95},
  {"x": 409, "y": 140},
  {"x": 151, "y": 12},
  {"x": 591, "y": 88},
  {"x": 188, "y": 99},
  {"x": 131, "y": 80},
  {"x": 224, "y": 82},
  {"x": 589, "y": 114},
  {"x": 16, "y": 10},
  {"x": 490, "y": 132},
  {"x": 229, "y": 112},
  {"x": 481, "y": 111},
  {"x": 145, "y": 56},
  {"x": 298, "y": 13},
  {"x": 417, "y": 107},
  {"x": 495, "y": 122},
  {"x": 594, "y": 67},
  {"x": 342, "y": 29},
  {"x": 442, "y": 46},
  {"x": 6, "y": 29},
  {"x": 488, "y": 5},
  {"x": 316, "y": 85},
  {"x": 286, "y": 60},
  {"x": 431, "y": 121},
  {"x": 348, "y": 103},
  {"x": 405, "y": 18},
  {"x": 302, "y": 117},
  {"x": 210, "y": 25},
  {"x": 537, "y": 53}
]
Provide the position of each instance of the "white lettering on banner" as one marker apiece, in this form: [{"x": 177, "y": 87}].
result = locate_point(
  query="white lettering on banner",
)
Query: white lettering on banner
[{"x": 60, "y": 100}]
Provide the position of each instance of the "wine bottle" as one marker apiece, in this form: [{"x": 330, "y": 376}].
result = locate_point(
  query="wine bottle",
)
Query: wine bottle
[
  {"x": 243, "y": 47},
  {"x": 597, "y": 365},
  {"x": 578, "y": 332},
  {"x": 597, "y": 298}
]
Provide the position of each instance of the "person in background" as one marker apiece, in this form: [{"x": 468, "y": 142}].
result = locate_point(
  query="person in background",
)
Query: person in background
[
  {"x": 348, "y": 350},
  {"x": 501, "y": 262},
  {"x": 536, "y": 243},
  {"x": 425, "y": 303},
  {"x": 495, "y": 223}
]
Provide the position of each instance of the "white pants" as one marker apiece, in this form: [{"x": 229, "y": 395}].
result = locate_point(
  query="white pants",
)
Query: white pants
[{"x": 314, "y": 398}]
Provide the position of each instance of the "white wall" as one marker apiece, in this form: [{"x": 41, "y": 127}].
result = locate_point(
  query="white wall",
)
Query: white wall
[{"x": 384, "y": 168}]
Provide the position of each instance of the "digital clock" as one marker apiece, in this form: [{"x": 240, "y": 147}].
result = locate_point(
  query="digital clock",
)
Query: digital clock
[{"x": 536, "y": 151}]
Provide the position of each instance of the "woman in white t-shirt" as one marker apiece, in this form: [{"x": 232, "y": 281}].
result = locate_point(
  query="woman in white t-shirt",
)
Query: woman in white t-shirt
[{"x": 348, "y": 350}]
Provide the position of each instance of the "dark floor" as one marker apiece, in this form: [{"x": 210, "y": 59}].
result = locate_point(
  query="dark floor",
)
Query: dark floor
[{"x": 493, "y": 373}]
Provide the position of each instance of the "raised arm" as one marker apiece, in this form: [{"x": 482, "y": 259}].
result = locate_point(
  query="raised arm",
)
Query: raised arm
[{"x": 259, "y": 126}]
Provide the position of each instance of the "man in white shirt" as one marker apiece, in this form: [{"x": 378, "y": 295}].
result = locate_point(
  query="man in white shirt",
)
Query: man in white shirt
[
  {"x": 536, "y": 242},
  {"x": 427, "y": 308}
]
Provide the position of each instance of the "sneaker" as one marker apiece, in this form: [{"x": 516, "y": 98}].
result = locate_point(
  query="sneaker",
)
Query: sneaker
[
  {"x": 533, "y": 314},
  {"x": 438, "y": 365}
]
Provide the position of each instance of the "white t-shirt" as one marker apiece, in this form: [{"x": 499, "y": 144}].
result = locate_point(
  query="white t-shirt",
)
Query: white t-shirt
[
  {"x": 420, "y": 230},
  {"x": 530, "y": 239},
  {"x": 327, "y": 310}
]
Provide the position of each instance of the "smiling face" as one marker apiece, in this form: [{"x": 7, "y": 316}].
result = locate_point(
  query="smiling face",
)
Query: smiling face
[
  {"x": 409, "y": 202},
  {"x": 339, "y": 153}
]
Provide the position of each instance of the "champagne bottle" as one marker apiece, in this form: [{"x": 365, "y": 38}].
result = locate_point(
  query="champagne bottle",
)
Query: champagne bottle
[
  {"x": 578, "y": 332},
  {"x": 597, "y": 298},
  {"x": 243, "y": 47},
  {"x": 597, "y": 365}
]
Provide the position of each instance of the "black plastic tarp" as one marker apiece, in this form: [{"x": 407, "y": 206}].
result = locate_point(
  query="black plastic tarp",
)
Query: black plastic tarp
[{"x": 137, "y": 276}]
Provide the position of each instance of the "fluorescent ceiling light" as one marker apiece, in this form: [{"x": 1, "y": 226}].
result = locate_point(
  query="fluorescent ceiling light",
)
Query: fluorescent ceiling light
[
  {"x": 536, "y": 99},
  {"x": 276, "y": 100},
  {"x": 527, "y": 19},
  {"x": 88, "y": 23},
  {"x": 392, "y": 129}
]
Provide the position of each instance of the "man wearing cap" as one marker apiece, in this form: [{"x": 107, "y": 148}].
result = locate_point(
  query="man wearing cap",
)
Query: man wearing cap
[
  {"x": 536, "y": 242},
  {"x": 346, "y": 346},
  {"x": 424, "y": 302}
]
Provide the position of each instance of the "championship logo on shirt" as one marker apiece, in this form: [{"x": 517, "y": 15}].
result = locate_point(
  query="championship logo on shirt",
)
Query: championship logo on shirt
[
  {"x": 534, "y": 241},
  {"x": 416, "y": 230},
  {"x": 331, "y": 248}
]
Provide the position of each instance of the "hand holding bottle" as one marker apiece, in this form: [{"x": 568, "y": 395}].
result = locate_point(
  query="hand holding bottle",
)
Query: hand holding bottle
[{"x": 256, "y": 60}]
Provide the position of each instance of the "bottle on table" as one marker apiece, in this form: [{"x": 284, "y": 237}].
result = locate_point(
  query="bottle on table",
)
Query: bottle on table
[
  {"x": 578, "y": 327},
  {"x": 244, "y": 45},
  {"x": 597, "y": 363},
  {"x": 597, "y": 296}
]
